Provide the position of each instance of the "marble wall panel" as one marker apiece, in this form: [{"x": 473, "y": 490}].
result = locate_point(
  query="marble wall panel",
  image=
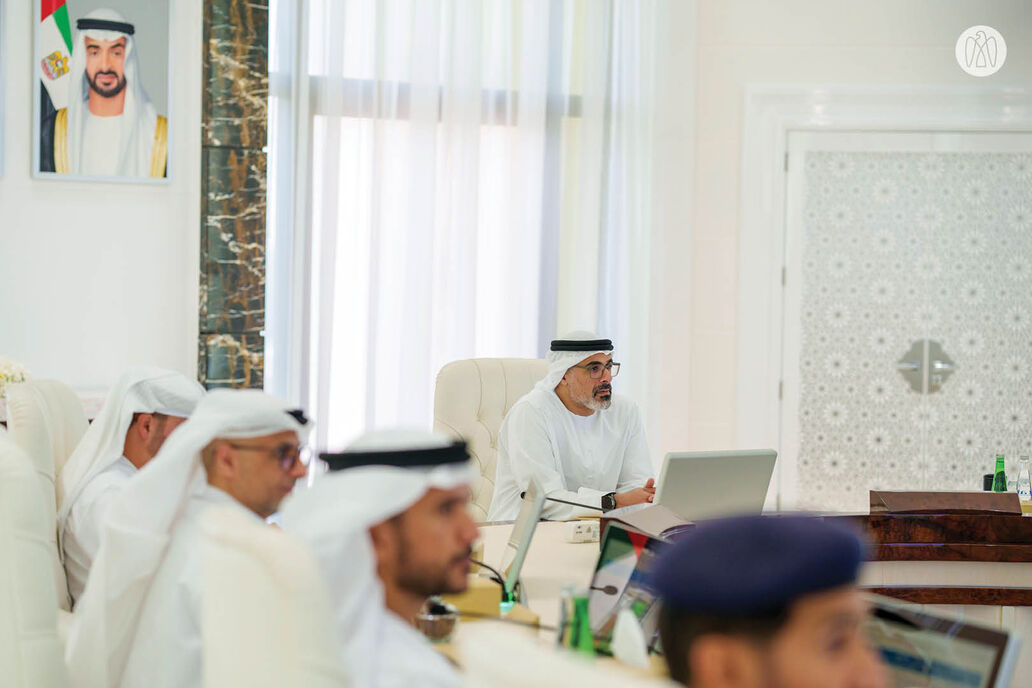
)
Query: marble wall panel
[
  {"x": 234, "y": 301},
  {"x": 233, "y": 244},
  {"x": 236, "y": 72},
  {"x": 231, "y": 360},
  {"x": 234, "y": 120}
]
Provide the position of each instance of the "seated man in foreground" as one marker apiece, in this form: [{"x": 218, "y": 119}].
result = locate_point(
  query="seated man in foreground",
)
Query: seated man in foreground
[
  {"x": 390, "y": 527},
  {"x": 143, "y": 407},
  {"x": 765, "y": 601},
  {"x": 580, "y": 442},
  {"x": 138, "y": 623}
]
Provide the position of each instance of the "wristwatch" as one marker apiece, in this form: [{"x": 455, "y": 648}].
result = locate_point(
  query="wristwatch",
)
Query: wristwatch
[{"x": 608, "y": 502}]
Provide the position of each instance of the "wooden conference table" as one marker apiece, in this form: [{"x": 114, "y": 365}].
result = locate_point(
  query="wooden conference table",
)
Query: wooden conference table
[
  {"x": 978, "y": 566},
  {"x": 551, "y": 563}
]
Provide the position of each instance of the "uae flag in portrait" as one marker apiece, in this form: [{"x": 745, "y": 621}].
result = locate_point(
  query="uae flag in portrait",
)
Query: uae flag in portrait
[{"x": 54, "y": 52}]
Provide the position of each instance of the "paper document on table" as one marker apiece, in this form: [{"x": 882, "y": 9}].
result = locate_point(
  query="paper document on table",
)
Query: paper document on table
[{"x": 651, "y": 519}]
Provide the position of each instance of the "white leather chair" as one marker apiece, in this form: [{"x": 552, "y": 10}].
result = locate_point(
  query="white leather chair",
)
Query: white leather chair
[
  {"x": 46, "y": 419},
  {"x": 470, "y": 402},
  {"x": 266, "y": 620},
  {"x": 30, "y": 652}
]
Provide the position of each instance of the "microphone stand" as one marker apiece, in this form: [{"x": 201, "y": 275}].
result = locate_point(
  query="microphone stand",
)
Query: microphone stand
[
  {"x": 563, "y": 501},
  {"x": 508, "y": 596}
]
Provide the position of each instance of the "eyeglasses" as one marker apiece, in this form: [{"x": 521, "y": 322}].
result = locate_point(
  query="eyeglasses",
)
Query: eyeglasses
[
  {"x": 286, "y": 455},
  {"x": 596, "y": 369}
]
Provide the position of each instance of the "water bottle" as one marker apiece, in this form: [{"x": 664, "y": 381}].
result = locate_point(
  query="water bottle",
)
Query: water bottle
[
  {"x": 1024, "y": 485},
  {"x": 999, "y": 475},
  {"x": 574, "y": 625}
]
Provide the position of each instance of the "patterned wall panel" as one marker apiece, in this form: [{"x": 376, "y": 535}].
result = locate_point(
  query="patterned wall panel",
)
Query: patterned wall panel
[
  {"x": 232, "y": 301},
  {"x": 898, "y": 247}
]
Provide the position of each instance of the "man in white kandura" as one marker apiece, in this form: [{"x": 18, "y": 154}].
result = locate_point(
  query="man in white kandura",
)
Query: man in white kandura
[
  {"x": 138, "y": 621},
  {"x": 390, "y": 527},
  {"x": 110, "y": 128},
  {"x": 581, "y": 443},
  {"x": 142, "y": 408}
]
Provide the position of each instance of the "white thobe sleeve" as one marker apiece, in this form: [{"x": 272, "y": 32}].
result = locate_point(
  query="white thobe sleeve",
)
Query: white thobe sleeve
[
  {"x": 637, "y": 466},
  {"x": 635, "y": 471},
  {"x": 88, "y": 521},
  {"x": 532, "y": 454},
  {"x": 168, "y": 648},
  {"x": 591, "y": 499},
  {"x": 530, "y": 450},
  {"x": 407, "y": 659},
  {"x": 82, "y": 540}
]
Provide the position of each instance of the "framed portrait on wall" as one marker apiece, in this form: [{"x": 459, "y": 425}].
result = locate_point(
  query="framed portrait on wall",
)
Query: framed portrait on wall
[{"x": 103, "y": 90}]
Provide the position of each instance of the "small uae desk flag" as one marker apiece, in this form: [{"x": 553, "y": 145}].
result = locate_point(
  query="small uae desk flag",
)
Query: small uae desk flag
[{"x": 54, "y": 50}]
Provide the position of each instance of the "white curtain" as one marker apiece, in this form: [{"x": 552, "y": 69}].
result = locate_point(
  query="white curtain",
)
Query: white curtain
[{"x": 452, "y": 179}]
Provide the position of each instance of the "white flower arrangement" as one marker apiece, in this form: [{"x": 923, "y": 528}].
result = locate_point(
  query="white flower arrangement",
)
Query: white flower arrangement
[{"x": 11, "y": 372}]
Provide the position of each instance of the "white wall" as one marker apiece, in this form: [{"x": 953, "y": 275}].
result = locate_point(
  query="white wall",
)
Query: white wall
[
  {"x": 673, "y": 180},
  {"x": 741, "y": 42},
  {"x": 98, "y": 276}
]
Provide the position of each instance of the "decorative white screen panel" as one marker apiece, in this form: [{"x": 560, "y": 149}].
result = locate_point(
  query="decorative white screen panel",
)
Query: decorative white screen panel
[{"x": 898, "y": 248}]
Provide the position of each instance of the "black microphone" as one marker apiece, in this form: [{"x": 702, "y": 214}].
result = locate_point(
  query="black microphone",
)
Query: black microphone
[
  {"x": 508, "y": 597},
  {"x": 497, "y": 577},
  {"x": 563, "y": 501}
]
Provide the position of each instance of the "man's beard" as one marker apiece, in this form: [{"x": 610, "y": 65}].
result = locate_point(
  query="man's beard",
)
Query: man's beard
[
  {"x": 424, "y": 582},
  {"x": 601, "y": 398},
  {"x": 107, "y": 92}
]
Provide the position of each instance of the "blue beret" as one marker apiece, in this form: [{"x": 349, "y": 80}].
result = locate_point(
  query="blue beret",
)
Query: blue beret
[{"x": 749, "y": 565}]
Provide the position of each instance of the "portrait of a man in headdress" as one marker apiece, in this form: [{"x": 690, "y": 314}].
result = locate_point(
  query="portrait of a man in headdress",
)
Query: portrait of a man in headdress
[{"x": 108, "y": 127}]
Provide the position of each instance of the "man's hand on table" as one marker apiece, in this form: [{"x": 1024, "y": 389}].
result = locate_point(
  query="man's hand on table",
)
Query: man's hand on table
[{"x": 638, "y": 496}]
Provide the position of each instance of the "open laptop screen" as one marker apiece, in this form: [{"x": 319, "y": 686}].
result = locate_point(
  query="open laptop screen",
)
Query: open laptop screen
[
  {"x": 624, "y": 562},
  {"x": 700, "y": 485},
  {"x": 924, "y": 649},
  {"x": 521, "y": 534}
]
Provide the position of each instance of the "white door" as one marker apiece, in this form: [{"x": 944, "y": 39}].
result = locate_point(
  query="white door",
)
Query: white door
[{"x": 907, "y": 334}]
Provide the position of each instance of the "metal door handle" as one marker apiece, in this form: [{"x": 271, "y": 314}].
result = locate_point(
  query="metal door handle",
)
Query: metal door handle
[{"x": 925, "y": 366}]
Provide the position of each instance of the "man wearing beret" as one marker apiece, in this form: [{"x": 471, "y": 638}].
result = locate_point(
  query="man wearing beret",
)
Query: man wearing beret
[{"x": 765, "y": 602}]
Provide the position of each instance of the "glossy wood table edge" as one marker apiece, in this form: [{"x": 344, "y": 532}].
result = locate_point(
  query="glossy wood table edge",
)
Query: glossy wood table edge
[
  {"x": 944, "y": 537},
  {"x": 955, "y": 595},
  {"x": 943, "y": 527},
  {"x": 1008, "y": 554}
]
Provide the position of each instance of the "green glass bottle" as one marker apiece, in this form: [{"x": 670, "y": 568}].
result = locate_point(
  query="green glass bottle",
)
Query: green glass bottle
[
  {"x": 581, "y": 638},
  {"x": 999, "y": 475}
]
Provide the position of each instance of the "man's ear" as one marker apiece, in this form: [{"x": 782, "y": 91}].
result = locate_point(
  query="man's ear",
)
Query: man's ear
[
  {"x": 725, "y": 661},
  {"x": 225, "y": 460},
  {"x": 382, "y": 535},
  {"x": 385, "y": 539},
  {"x": 144, "y": 426}
]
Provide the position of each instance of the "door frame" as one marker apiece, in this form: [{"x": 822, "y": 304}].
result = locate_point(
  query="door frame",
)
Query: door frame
[{"x": 771, "y": 112}]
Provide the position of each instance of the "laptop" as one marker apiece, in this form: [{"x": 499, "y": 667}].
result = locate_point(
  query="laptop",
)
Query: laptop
[
  {"x": 710, "y": 484},
  {"x": 521, "y": 535},
  {"x": 923, "y": 649},
  {"x": 620, "y": 582}
]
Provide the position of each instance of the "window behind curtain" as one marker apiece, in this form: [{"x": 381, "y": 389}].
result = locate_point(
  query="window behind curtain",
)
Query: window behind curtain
[{"x": 435, "y": 161}]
